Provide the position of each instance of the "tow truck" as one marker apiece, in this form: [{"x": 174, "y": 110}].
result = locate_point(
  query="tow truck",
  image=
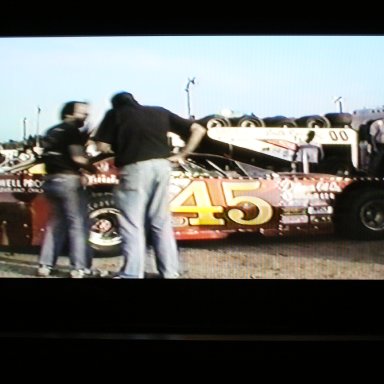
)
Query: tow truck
[{"x": 278, "y": 143}]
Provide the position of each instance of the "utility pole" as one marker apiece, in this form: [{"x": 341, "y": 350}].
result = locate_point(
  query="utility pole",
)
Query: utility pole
[
  {"x": 339, "y": 100},
  {"x": 25, "y": 130},
  {"x": 190, "y": 81},
  {"x": 38, "y": 126}
]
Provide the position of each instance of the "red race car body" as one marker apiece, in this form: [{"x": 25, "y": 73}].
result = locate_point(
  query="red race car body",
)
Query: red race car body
[{"x": 210, "y": 197}]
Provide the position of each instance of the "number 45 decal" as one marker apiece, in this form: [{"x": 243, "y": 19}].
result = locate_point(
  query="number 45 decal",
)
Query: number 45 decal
[{"x": 197, "y": 193}]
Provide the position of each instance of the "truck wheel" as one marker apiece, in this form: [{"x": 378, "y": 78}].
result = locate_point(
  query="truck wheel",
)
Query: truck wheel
[
  {"x": 339, "y": 120},
  {"x": 362, "y": 215},
  {"x": 104, "y": 235}
]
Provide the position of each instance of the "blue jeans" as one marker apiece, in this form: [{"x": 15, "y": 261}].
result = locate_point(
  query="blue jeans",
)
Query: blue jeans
[
  {"x": 143, "y": 199},
  {"x": 68, "y": 220}
]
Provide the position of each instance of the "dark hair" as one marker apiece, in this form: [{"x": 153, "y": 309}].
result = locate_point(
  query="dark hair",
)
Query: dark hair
[
  {"x": 310, "y": 136},
  {"x": 69, "y": 108},
  {"x": 123, "y": 98}
]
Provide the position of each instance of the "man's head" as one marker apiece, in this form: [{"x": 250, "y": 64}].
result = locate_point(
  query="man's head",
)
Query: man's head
[
  {"x": 75, "y": 111},
  {"x": 310, "y": 136},
  {"x": 122, "y": 99}
]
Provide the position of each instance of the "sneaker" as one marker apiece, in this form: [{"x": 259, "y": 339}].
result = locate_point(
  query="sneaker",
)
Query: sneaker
[
  {"x": 44, "y": 270},
  {"x": 116, "y": 275},
  {"x": 103, "y": 273},
  {"x": 120, "y": 275},
  {"x": 90, "y": 272},
  {"x": 77, "y": 274}
]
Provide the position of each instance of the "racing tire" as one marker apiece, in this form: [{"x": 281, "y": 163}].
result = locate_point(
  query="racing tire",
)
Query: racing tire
[
  {"x": 104, "y": 236},
  {"x": 313, "y": 121},
  {"x": 339, "y": 120},
  {"x": 250, "y": 122},
  {"x": 361, "y": 215},
  {"x": 279, "y": 121},
  {"x": 214, "y": 121}
]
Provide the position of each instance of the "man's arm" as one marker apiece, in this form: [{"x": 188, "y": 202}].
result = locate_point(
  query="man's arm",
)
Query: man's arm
[
  {"x": 373, "y": 131},
  {"x": 197, "y": 133},
  {"x": 105, "y": 134},
  {"x": 103, "y": 147},
  {"x": 78, "y": 156}
]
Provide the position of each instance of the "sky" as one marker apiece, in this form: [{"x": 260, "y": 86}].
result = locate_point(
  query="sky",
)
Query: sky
[{"x": 266, "y": 75}]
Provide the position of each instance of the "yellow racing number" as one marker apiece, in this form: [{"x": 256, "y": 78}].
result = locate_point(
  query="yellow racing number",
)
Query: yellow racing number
[
  {"x": 203, "y": 207},
  {"x": 195, "y": 198},
  {"x": 265, "y": 210}
]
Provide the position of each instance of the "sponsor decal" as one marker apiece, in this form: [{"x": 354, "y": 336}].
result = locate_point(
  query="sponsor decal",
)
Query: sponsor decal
[
  {"x": 101, "y": 179},
  {"x": 294, "y": 219},
  {"x": 21, "y": 185},
  {"x": 320, "y": 210},
  {"x": 322, "y": 190},
  {"x": 328, "y": 186},
  {"x": 103, "y": 166}
]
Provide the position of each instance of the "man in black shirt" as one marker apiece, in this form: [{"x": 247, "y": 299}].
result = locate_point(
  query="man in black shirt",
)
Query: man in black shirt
[
  {"x": 137, "y": 135},
  {"x": 376, "y": 163},
  {"x": 65, "y": 160}
]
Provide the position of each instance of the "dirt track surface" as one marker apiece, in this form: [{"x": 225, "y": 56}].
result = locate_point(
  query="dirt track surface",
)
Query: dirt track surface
[{"x": 244, "y": 256}]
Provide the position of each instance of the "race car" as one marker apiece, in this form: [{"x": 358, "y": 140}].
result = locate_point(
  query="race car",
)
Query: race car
[{"x": 211, "y": 197}]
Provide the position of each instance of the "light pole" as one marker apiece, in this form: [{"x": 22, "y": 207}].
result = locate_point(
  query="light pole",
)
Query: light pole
[
  {"x": 38, "y": 126},
  {"x": 24, "y": 130},
  {"x": 339, "y": 100},
  {"x": 190, "y": 81}
]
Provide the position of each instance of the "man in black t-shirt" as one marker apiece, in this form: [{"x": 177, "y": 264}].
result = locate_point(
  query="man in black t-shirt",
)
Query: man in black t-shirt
[
  {"x": 376, "y": 163},
  {"x": 137, "y": 135},
  {"x": 65, "y": 160}
]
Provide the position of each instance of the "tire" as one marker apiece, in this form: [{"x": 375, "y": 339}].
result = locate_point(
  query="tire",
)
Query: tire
[
  {"x": 214, "y": 121},
  {"x": 104, "y": 236},
  {"x": 250, "y": 121},
  {"x": 339, "y": 120},
  {"x": 279, "y": 121},
  {"x": 313, "y": 121},
  {"x": 361, "y": 215}
]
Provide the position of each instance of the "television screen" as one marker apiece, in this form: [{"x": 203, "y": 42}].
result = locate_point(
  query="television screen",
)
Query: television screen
[{"x": 278, "y": 212}]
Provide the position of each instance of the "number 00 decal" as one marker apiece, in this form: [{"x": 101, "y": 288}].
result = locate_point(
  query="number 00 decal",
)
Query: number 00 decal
[
  {"x": 335, "y": 135},
  {"x": 265, "y": 209}
]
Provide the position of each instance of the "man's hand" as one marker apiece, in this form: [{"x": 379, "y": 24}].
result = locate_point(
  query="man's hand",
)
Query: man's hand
[
  {"x": 197, "y": 133},
  {"x": 178, "y": 158},
  {"x": 38, "y": 150},
  {"x": 91, "y": 148},
  {"x": 103, "y": 147}
]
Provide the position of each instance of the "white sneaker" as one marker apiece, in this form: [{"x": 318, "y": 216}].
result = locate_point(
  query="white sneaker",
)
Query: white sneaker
[
  {"x": 44, "y": 270},
  {"x": 77, "y": 274},
  {"x": 91, "y": 272}
]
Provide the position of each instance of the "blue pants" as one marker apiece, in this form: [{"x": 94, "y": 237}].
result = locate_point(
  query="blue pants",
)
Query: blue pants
[
  {"x": 143, "y": 198},
  {"x": 68, "y": 220}
]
